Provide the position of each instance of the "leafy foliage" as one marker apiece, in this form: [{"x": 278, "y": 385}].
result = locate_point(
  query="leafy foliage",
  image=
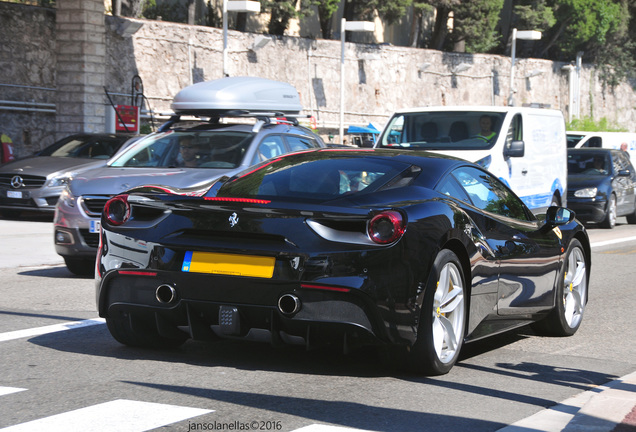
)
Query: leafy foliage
[
  {"x": 474, "y": 25},
  {"x": 590, "y": 125}
]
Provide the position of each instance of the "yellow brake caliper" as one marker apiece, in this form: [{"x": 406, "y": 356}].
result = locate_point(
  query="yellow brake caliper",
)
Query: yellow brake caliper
[{"x": 571, "y": 287}]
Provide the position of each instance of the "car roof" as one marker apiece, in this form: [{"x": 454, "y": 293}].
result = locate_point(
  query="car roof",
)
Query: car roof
[{"x": 435, "y": 164}]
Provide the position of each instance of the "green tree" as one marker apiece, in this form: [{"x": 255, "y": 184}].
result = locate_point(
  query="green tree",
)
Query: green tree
[
  {"x": 531, "y": 15},
  {"x": 440, "y": 28},
  {"x": 282, "y": 11},
  {"x": 416, "y": 37},
  {"x": 474, "y": 25},
  {"x": 582, "y": 25},
  {"x": 326, "y": 9}
]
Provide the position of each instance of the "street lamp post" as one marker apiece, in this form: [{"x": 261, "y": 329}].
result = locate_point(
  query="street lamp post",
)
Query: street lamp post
[
  {"x": 345, "y": 26},
  {"x": 525, "y": 35},
  {"x": 235, "y": 6}
]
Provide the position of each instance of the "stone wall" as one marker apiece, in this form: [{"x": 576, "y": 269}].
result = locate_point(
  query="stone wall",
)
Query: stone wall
[
  {"x": 379, "y": 78},
  {"x": 27, "y": 80}
]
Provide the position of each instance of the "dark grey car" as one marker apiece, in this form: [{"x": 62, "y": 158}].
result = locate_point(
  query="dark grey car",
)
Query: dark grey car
[
  {"x": 601, "y": 185},
  {"x": 35, "y": 183},
  {"x": 176, "y": 157}
]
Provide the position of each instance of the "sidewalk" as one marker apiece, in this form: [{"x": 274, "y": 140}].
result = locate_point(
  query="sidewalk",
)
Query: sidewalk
[{"x": 607, "y": 408}]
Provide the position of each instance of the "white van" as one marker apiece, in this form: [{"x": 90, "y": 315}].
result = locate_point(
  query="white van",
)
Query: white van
[
  {"x": 525, "y": 147},
  {"x": 611, "y": 140}
]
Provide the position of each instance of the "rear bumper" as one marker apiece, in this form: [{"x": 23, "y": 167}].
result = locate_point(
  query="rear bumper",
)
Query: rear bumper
[{"x": 211, "y": 307}]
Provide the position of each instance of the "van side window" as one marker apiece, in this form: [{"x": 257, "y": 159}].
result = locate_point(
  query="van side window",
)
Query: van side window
[
  {"x": 594, "y": 142},
  {"x": 515, "y": 132}
]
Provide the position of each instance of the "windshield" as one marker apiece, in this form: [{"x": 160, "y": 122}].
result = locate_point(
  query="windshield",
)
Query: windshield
[
  {"x": 588, "y": 163},
  {"x": 89, "y": 147},
  {"x": 443, "y": 130},
  {"x": 198, "y": 149},
  {"x": 316, "y": 177}
]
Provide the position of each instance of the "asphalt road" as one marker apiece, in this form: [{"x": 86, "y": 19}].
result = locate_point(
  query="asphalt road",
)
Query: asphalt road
[{"x": 75, "y": 377}]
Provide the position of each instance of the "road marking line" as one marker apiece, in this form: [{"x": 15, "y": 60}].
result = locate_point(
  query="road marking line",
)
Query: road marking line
[
  {"x": 38, "y": 331},
  {"x": 9, "y": 390},
  {"x": 119, "y": 415},
  {"x": 610, "y": 242}
]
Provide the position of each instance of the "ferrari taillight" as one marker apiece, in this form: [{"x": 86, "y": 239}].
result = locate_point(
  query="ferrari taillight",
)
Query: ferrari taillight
[
  {"x": 117, "y": 210},
  {"x": 386, "y": 227}
]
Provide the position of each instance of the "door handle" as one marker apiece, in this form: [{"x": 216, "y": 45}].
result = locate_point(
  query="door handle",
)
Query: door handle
[{"x": 524, "y": 171}]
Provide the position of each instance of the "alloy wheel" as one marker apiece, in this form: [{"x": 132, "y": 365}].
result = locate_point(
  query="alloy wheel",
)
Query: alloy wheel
[
  {"x": 574, "y": 288},
  {"x": 448, "y": 313}
]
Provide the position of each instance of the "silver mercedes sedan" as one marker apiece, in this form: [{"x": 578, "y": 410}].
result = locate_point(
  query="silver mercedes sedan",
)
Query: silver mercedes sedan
[{"x": 35, "y": 183}]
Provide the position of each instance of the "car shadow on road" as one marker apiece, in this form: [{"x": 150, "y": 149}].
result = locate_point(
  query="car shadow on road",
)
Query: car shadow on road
[
  {"x": 97, "y": 341},
  {"x": 57, "y": 272},
  {"x": 26, "y": 216},
  {"x": 239, "y": 354},
  {"x": 342, "y": 412}
]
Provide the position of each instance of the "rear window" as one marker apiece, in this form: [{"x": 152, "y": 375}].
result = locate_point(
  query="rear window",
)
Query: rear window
[{"x": 314, "y": 177}]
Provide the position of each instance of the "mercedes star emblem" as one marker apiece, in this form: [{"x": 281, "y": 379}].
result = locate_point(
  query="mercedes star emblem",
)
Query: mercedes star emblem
[{"x": 17, "y": 182}]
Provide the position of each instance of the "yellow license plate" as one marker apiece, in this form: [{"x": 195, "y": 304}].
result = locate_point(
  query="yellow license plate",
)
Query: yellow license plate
[{"x": 228, "y": 264}]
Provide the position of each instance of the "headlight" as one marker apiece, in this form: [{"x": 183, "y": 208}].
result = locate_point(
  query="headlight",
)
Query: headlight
[
  {"x": 61, "y": 180},
  {"x": 586, "y": 193},
  {"x": 67, "y": 198}
]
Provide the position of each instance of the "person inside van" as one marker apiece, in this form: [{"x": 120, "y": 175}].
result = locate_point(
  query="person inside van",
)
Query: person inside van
[{"x": 486, "y": 133}]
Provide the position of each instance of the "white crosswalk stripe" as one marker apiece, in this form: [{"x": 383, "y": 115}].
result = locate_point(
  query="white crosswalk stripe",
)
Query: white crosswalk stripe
[
  {"x": 9, "y": 390},
  {"x": 119, "y": 415},
  {"x": 124, "y": 415},
  {"x": 39, "y": 331}
]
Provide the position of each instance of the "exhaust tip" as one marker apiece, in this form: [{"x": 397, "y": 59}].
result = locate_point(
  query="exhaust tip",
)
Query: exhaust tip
[
  {"x": 166, "y": 294},
  {"x": 289, "y": 304}
]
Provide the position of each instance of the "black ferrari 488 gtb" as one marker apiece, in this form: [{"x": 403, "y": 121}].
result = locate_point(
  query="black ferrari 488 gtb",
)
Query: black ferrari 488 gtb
[{"x": 417, "y": 251}]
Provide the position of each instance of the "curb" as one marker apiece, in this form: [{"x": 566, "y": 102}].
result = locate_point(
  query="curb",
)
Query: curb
[{"x": 607, "y": 408}]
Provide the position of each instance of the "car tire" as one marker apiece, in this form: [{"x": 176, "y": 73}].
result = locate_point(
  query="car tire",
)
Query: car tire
[
  {"x": 140, "y": 331},
  {"x": 442, "y": 325},
  {"x": 610, "y": 214},
  {"x": 571, "y": 295},
  {"x": 80, "y": 266}
]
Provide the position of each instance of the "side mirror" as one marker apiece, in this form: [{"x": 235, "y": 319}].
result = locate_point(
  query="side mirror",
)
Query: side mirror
[
  {"x": 624, "y": 173},
  {"x": 559, "y": 216},
  {"x": 515, "y": 149}
]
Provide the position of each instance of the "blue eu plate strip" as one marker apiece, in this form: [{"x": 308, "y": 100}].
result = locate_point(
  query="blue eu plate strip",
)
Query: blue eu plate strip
[{"x": 186, "y": 261}]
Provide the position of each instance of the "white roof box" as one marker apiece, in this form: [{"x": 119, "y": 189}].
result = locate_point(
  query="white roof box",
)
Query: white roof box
[{"x": 236, "y": 96}]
